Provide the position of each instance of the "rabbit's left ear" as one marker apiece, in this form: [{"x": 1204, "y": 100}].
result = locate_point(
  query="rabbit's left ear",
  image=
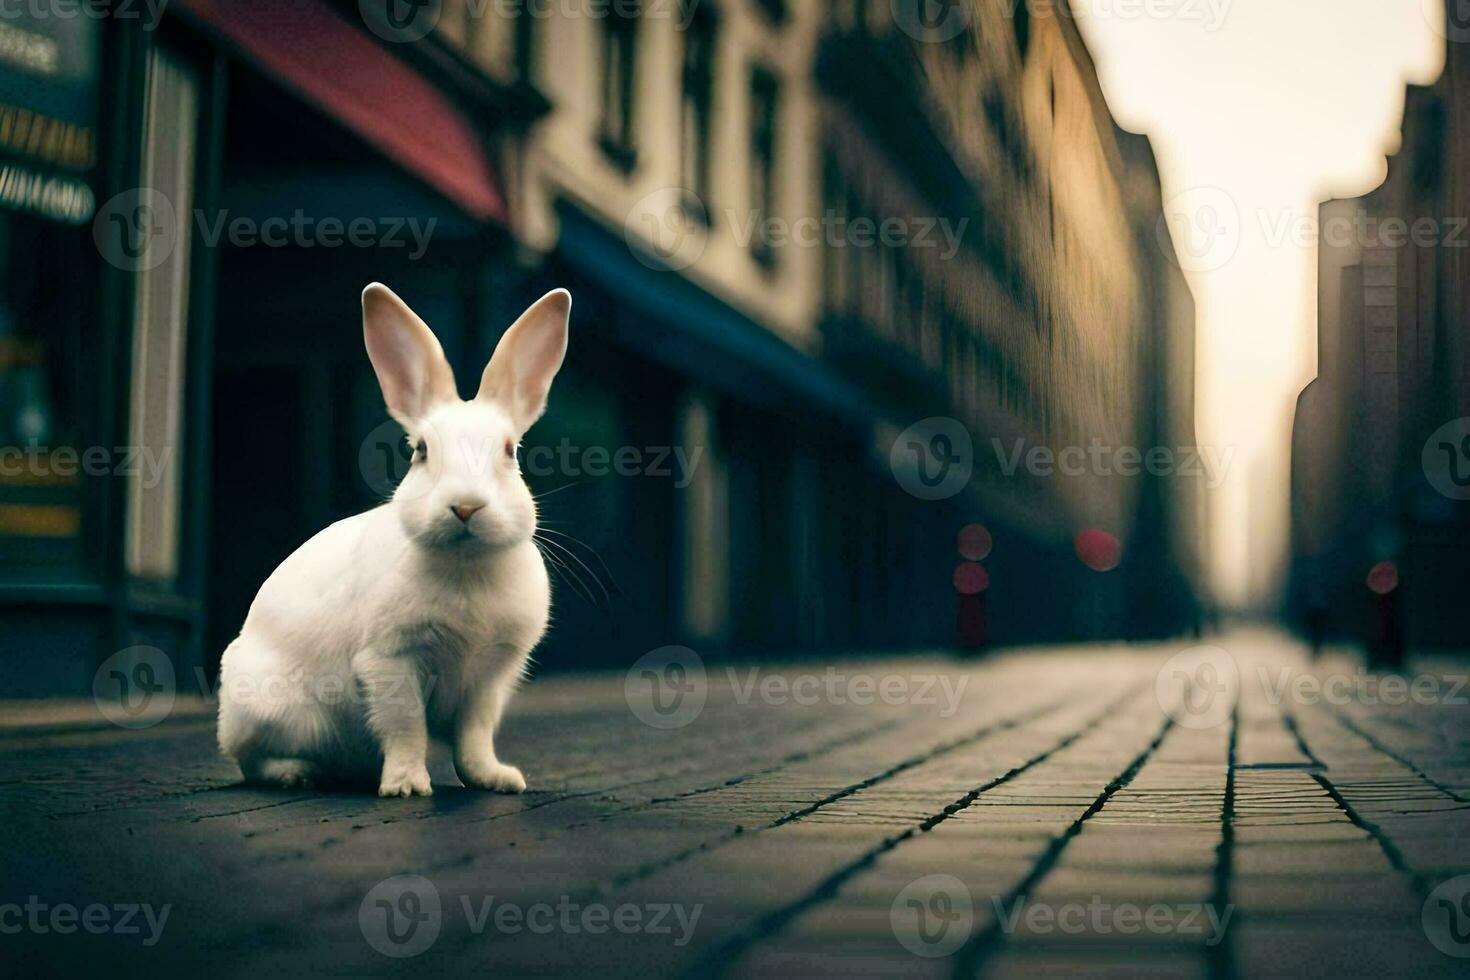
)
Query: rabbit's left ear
[
  {"x": 406, "y": 356},
  {"x": 518, "y": 378}
]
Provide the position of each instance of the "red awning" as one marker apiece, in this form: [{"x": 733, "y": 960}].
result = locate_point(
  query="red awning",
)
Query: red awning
[{"x": 331, "y": 63}]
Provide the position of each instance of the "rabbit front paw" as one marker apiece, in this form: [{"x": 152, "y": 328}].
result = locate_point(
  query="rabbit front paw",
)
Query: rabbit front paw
[
  {"x": 494, "y": 776},
  {"x": 405, "y": 781}
]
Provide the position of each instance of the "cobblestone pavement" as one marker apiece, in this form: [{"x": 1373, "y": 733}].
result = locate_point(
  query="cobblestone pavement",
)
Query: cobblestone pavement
[{"x": 1088, "y": 811}]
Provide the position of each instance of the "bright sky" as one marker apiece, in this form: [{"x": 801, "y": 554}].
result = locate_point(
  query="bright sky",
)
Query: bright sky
[{"x": 1279, "y": 104}]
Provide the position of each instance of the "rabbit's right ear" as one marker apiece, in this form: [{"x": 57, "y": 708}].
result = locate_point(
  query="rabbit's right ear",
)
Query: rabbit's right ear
[{"x": 406, "y": 356}]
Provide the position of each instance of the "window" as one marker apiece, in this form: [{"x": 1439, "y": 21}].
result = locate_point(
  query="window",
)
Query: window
[
  {"x": 161, "y": 308},
  {"x": 1023, "y": 28},
  {"x": 775, "y": 10},
  {"x": 699, "y": 80},
  {"x": 525, "y": 40},
  {"x": 49, "y": 270},
  {"x": 619, "y": 77},
  {"x": 763, "y": 109}
]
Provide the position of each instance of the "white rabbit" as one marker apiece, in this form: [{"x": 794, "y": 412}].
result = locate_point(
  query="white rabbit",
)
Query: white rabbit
[{"x": 419, "y": 616}]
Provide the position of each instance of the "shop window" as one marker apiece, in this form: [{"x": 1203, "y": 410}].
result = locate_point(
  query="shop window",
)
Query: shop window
[
  {"x": 49, "y": 270},
  {"x": 764, "y": 94},
  {"x": 160, "y": 317},
  {"x": 619, "y": 83},
  {"x": 698, "y": 101}
]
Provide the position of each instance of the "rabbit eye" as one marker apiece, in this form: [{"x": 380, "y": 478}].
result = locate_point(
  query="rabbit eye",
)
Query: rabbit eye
[
  {"x": 420, "y": 451},
  {"x": 510, "y": 449}
]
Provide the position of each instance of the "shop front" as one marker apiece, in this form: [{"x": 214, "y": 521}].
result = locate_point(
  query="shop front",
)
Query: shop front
[{"x": 188, "y": 211}]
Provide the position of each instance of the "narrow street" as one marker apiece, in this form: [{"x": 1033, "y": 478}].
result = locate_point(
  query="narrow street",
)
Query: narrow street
[{"x": 1052, "y": 811}]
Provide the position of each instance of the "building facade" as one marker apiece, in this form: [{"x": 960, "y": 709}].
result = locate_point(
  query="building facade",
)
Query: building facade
[
  {"x": 1380, "y": 465},
  {"x": 792, "y": 231}
]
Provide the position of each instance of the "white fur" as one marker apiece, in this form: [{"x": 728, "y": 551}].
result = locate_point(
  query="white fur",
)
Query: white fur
[{"x": 407, "y": 621}]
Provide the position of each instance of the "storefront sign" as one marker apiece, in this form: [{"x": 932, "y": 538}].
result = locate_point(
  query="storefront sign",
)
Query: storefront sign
[{"x": 49, "y": 68}]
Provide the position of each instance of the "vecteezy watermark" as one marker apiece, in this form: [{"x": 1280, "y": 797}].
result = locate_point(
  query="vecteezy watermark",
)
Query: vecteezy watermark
[
  {"x": 42, "y": 918},
  {"x": 148, "y": 12},
  {"x": 931, "y": 21},
  {"x": 1446, "y": 459},
  {"x": 833, "y": 230},
  {"x": 938, "y": 21},
  {"x": 567, "y": 459},
  {"x": 1209, "y": 14},
  {"x": 385, "y": 457},
  {"x": 403, "y": 916},
  {"x": 1445, "y": 917},
  {"x": 666, "y": 688},
  {"x": 933, "y": 916},
  {"x": 668, "y": 229},
  {"x": 671, "y": 228},
  {"x": 405, "y": 21},
  {"x": 139, "y": 229},
  {"x": 278, "y": 691},
  {"x": 1101, "y": 918},
  {"x": 38, "y": 462},
  {"x": 833, "y": 686},
  {"x": 933, "y": 459},
  {"x": 1198, "y": 687},
  {"x": 401, "y": 21},
  {"x": 1361, "y": 228},
  {"x": 1200, "y": 229},
  {"x": 1284, "y": 684},
  {"x": 135, "y": 687},
  {"x": 1096, "y": 459},
  {"x": 136, "y": 230}
]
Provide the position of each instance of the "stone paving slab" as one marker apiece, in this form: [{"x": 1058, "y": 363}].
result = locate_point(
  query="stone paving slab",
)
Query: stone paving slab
[{"x": 1089, "y": 811}]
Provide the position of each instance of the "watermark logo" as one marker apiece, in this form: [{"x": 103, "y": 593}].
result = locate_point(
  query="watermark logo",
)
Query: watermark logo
[
  {"x": 401, "y": 916},
  {"x": 1200, "y": 229},
  {"x": 1204, "y": 463},
  {"x": 135, "y": 688},
  {"x": 137, "y": 230},
  {"x": 44, "y": 56},
  {"x": 1101, "y": 918},
  {"x": 1198, "y": 687},
  {"x": 400, "y": 21},
  {"x": 666, "y": 688},
  {"x": 940, "y": 690},
  {"x": 148, "y": 464},
  {"x": 931, "y": 21},
  {"x": 1363, "y": 688},
  {"x": 1446, "y": 917},
  {"x": 933, "y": 916},
  {"x": 41, "y": 918},
  {"x": 933, "y": 459},
  {"x": 573, "y": 918},
  {"x": 385, "y": 457},
  {"x": 1209, "y": 14},
  {"x": 1446, "y": 457},
  {"x": 668, "y": 229}
]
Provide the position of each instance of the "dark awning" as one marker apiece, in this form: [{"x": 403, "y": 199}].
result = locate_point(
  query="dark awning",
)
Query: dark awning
[{"x": 674, "y": 321}]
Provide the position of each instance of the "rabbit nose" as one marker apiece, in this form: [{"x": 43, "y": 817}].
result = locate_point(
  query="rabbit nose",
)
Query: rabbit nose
[{"x": 465, "y": 511}]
